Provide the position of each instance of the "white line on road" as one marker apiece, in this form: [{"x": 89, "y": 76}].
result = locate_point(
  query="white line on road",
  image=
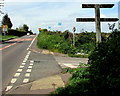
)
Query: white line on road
[
  {"x": 31, "y": 61},
  {"x": 13, "y": 80},
  {"x": 17, "y": 75},
  {"x": 23, "y": 63},
  {"x": 28, "y": 52},
  {"x": 25, "y": 80},
  {"x": 31, "y": 43},
  {"x": 19, "y": 70},
  {"x": 8, "y": 88},
  {"x": 21, "y": 66},
  {"x": 29, "y": 70},
  {"x": 27, "y": 75},
  {"x": 30, "y": 67},
  {"x": 31, "y": 64}
]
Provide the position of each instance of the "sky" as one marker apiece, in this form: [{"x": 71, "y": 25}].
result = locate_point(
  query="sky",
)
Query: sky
[{"x": 47, "y": 14}]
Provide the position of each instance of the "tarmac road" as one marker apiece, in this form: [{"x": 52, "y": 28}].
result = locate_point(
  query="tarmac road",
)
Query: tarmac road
[{"x": 13, "y": 53}]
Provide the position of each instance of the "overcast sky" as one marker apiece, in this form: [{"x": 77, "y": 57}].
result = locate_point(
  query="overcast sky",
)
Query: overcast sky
[{"x": 43, "y": 14}]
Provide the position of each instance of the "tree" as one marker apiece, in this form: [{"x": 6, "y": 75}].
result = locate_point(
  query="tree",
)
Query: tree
[
  {"x": 105, "y": 67},
  {"x": 25, "y": 27},
  {"x": 6, "y": 21}
]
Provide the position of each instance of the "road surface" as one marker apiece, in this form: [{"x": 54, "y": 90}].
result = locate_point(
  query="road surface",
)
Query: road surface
[{"x": 13, "y": 53}]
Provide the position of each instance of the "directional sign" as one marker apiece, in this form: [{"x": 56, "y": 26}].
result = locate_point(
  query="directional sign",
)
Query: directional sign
[
  {"x": 100, "y": 5},
  {"x": 93, "y": 19},
  {"x": 97, "y": 18},
  {"x": 4, "y": 28}
]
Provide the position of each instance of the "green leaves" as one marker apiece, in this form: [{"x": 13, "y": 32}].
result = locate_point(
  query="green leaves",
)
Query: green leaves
[{"x": 6, "y": 21}]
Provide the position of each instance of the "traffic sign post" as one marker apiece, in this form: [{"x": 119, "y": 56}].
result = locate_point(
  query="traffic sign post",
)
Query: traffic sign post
[
  {"x": 74, "y": 29},
  {"x": 97, "y": 18},
  {"x": 4, "y": 29}
]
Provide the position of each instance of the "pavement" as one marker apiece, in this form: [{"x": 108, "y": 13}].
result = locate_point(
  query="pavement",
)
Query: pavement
[{"x": 42, "y": 72}]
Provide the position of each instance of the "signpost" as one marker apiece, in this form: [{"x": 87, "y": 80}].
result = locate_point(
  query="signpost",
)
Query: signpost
[
  {"x": 74, "y": 29},
  {"x": 97, "y": 18},
  {"x": 4, "y": 29},
  {"x": 119, "y": 15}
]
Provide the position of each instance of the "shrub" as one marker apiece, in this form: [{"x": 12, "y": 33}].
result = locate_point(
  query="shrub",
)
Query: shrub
[
  {"x": 102, "y": 77},
  {"x": 105, "y": 67}
]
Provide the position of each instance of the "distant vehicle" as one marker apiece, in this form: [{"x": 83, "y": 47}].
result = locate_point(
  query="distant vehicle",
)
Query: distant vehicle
[{"x": 28, "y": 34}]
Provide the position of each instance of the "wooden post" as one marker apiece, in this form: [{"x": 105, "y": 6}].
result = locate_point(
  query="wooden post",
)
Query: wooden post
[
  {"x": 97, "y": 21},
  {"x": 97, "y": 18}
]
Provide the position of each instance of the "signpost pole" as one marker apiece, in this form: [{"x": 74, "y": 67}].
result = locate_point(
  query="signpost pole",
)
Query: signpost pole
[
  {"x": 73, "y": 39},
  {"x": 97, "y": 21},
  {"x": 97, "y": 18}
]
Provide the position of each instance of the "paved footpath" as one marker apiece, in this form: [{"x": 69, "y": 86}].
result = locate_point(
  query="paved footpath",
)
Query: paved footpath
[{"x": 41, "y": 72}]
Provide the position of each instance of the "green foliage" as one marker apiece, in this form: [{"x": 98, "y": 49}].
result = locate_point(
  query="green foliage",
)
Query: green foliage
[
  {"x": 77, "y": 85},
  {"x": 6, "y": 21},
  {"x": 105, "y": 66},
  {"x": 17, "y": 32},
  {"x": 102, "y": 77},
  {"x": 53, "y": 41},
  {"x": 7, "y": 37},
  {"x": 25, "y": 27},
  {"x": 63, "y": 42}
]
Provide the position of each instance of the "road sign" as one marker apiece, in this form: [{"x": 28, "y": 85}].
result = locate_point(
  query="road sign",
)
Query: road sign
[
  {"x": 74, "y": 29},
  {"x": 93, "y": 19},
  {"x": 97, "y": 18},
  {"x": 100, "y": 5},
  {"x": 4, "y": 28}
]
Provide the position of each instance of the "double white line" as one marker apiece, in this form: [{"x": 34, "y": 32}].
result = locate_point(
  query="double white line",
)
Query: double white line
[{"x": 17, "y": 74}]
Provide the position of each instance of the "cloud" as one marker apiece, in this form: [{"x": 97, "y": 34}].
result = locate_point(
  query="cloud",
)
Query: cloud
[
  {"x": 42, "y": 14},
  {"x": 61, "y": 1}
]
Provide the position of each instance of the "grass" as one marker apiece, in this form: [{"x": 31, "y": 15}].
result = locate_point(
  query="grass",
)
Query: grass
[
  {"x": 75, "y": 84},
  {"x": 7, "y": 37}
]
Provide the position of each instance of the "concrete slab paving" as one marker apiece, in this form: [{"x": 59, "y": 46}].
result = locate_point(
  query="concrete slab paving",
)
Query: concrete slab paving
[{"x": 47, "y": 83}]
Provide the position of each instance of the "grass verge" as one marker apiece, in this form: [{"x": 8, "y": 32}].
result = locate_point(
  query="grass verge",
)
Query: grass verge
[{"x": 7, "y": 37}]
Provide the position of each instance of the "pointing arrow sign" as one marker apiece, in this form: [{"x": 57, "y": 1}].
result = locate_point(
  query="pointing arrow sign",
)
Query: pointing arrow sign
[
  {"x": 93, "y": 19},
  {"x": 100, "y": 5}
]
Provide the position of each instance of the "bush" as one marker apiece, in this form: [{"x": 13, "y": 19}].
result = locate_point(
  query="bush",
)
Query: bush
[
  {"x": 105, "y": 66},
  {"x": 102, "y": 77},
  {"x": 54, "y": 41}
]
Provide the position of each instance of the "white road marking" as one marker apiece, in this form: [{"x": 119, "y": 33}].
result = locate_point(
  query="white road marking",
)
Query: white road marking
[
  {"x": 8, "y": 88},
  {"x": 21, "y": 66},
  {"x": 31, "y": 43},
  {"x": 29, "y": 70},
  {"x": 28, "y": 52},
  {"x": 17, "y": 75},
  {"x": 25, "y": 80},
  {"x": 13, "y": 80},
  {"x": 25, "y": 59},
  {"x": 27, "y": 75},
  {"x": 29, "y": 67},
  {"x": 31, "y": 64},
  {"x": 31, "y": 61},
  {"x": 70, "y": 65},
  {"x": 27, "y": 56},
  {"x": 23, "y": 63},
  {"x": 19, "y": 70},
  {"x": 27, "y": 48}
]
